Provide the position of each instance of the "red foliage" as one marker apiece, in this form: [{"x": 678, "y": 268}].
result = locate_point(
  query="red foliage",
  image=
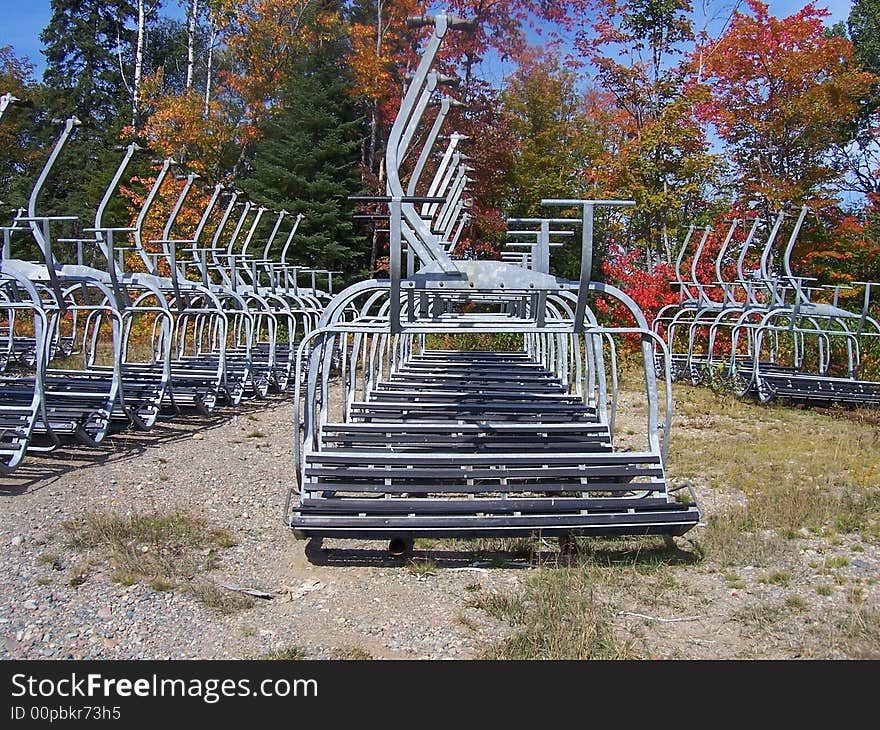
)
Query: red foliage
[{"x": 650, "y": 290}]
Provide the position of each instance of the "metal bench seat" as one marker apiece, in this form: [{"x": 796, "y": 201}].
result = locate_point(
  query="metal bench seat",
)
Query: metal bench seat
[
  {"x": 17, "y": 416},
  {"x": 19, "y": 350},
  {"x": 400, "y": 440},
  {"x": 477, "y": 377},
  {"x": 803, "y": 387},
  {"x": 668, "y": 520},
  {"x": 493, "y": 396},
  {"x": 372, "y": 411}
]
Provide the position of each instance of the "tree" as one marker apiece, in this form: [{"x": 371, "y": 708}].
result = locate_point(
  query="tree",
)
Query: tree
[
  {"x": 635, "y": 47},
  {"x": 863, "y": 25},
  {"x": 146, "y": 12},
  {"x": 166, "y": 51},
  {"x": 18, "y": 138},
  {"x": 307, "y": 160},
  {"x": 214, "y": 130},
  {"x": 264, "y": 39},
  {"x": 782, "y": 92},
  {"x": 88, "y": 49},
  {"x": 657, "y": 151},
  {"x": 380, "y": 51},
  {"x": 858, "y": 150},
  {"x": 551, "y": 150}
]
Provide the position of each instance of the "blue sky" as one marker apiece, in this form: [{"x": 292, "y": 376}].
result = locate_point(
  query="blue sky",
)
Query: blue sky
[{"x": 24, "y": 19}]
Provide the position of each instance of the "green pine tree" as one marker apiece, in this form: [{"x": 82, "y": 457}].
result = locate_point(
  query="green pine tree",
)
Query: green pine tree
[
  {"x": 84, "y": 42},
  {"x": 88, "y": 50},
  {"x": 308, "y": 162}
]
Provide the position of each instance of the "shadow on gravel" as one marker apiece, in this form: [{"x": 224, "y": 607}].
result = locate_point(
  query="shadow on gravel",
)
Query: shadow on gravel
[
  {"x": 440, "y": 558},
  {"x": 40, "y": 470},
  {"x": 636, "y": 552}
]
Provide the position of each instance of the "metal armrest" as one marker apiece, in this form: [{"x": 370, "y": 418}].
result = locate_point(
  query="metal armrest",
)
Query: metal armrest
[{"x": 47, "y": 218}]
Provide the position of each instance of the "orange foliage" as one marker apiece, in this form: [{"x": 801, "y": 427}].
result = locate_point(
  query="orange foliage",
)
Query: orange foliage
[
  {"x": 380, "y": 49},
  {"x": 185, "y": 224},
  {"x": 782, "y": 91},
  {"x": 181, "y": 127},
  {"x": 264, "y": 38}
]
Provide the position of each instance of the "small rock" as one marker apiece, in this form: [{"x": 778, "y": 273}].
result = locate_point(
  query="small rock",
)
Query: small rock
[
  {"x": 104, "y": 612},
  {"x": 30, "y": 605},
  {"x": 17, "y": 540},
  {"x": 198, "y": 437}
]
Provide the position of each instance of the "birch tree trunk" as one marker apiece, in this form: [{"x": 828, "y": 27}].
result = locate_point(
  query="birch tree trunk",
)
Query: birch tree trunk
[
  {"x": 212, "y": 39},
  {"x": 138, "y": 64},
  {"x": 191, "y": 18},
  {"x": 144, "y": 10},
  {"x": 374, "y": 107}
]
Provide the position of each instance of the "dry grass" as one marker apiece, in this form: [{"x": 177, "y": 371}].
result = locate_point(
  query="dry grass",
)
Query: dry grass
[
  {"x": 567, "y": 610},
  {"x": 161, "y": 550},
  {"x": 775, "y": 477},
  {"x": 780, "y": 440},
  {"x": 422, "y": 566},
  {"x": 796, "y": 469},
  {"x": 290, "y": 653},
  {"x": 559, "y": 615},
  {"x": 857, "y": 635},
  {"x": 351, "y": 653}
]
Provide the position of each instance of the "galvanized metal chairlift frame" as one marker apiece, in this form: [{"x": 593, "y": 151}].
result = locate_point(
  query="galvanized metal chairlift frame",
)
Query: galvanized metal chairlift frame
[
  {"x": 68, "y": 306},
  {"x": 414, "y": 445},
  {"x": 127, "y": 311},
  {"x": 693, "y": 309},
  {"x": 21, "y": 396},
  {"x": 299, "y": 307},
  {"x": 74, "y": 402},
  {"x": 785, "y": 308},
  {"x": 694, "y": 306},
  {"x": 199, "y": 374}
]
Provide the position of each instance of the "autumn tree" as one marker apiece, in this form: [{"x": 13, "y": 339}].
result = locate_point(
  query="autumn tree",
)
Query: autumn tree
[
  {"x": 18, "y": 134},
  {"x": 208, "y": 140},
  {"x": 381, "y": 50},
  {"x": 551, "y": 149},
  {"x": 213, "y": 125},
  {"x": 782, "y": 90},
  {"x": 657, "y": 151}
]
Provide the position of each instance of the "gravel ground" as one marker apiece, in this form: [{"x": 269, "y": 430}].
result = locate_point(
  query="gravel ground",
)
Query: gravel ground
[
  {"x": 353, "y": 600},
  {"x": 234, "y": 471}
]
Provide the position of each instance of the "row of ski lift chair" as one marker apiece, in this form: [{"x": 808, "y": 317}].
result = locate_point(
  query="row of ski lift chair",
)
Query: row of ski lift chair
[
  {"x": 769, "y": 333},
  {"x": 416, "y": 440},
  {"x": 84, "y": 347}
]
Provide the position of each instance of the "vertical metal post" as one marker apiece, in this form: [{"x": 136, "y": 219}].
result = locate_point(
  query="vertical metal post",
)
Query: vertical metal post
[
  {"x": 586, "y": 207},
  {"x": 394, "y": 262}
]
